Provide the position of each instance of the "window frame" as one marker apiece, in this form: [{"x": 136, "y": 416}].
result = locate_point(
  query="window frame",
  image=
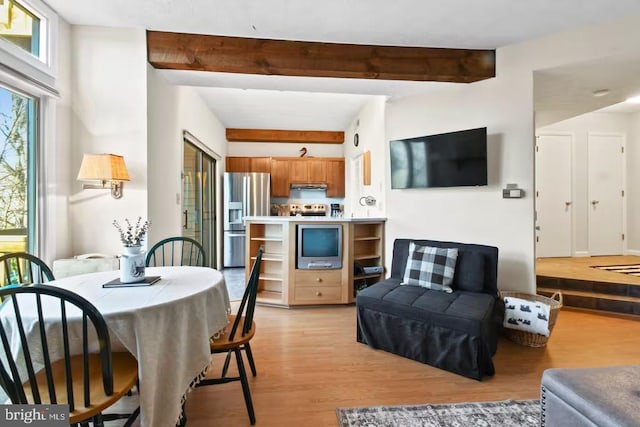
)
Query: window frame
[
  {"x": 22, "y": 72},
  {"x": 36, "y": 69}
]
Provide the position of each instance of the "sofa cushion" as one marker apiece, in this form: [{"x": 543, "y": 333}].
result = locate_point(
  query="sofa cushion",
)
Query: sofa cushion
[
  {"x": 430, "y": 267},
  {"x": 467, "y": 312},
  {"x": 469, "y": 274}
]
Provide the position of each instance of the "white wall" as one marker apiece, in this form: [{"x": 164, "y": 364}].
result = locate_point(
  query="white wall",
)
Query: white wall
[
  {"x": 473, "y": 214},
  {"x": 57, "y": 153},
  {"x": 275, "y": 149},
  {"x": 505, "y": 106},
  {"x": 580, "y": 127},
  {"x": 171, "y": 110},
  {"x": 369, "y": 125},
  {"x": 108, "y": 115}
]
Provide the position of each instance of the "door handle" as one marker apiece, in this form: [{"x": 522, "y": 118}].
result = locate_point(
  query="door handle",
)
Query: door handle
[
  {"x": 566, "y": 206},
  {"x": 595, "y": 202},
  {"x": 185, "y": 215},
  {"x": 538, "y": 227}
]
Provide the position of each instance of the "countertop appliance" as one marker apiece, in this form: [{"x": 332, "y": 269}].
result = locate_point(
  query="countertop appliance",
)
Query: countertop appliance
[
  {"x": 245, "y": 194},
  {"x": 314, "y": 209}
]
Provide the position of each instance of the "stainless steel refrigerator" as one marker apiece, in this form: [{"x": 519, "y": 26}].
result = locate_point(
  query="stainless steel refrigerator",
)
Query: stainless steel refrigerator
[{"x": 245, "y": 194}]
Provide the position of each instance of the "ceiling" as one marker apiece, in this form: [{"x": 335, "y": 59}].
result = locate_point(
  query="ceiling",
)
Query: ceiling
[{"x": 330, "y": 104}]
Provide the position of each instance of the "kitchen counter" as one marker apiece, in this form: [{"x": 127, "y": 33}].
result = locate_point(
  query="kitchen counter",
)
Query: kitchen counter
[
  {"x": 279, "y": 219},
  {"x": 282, "y": 283}
]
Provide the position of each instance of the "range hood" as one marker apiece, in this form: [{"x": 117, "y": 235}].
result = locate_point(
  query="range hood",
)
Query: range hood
[{"x": 308, "y": 186}]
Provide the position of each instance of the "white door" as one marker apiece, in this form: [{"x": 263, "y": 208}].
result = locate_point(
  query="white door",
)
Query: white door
[
  {"x": 606, "y": 185},
  {"x": 554, "y": 207}
]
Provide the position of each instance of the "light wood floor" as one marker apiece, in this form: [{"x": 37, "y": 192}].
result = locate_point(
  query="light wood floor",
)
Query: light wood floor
[
  {"x": 582, "y": 268},
  {"x": 309, "y": 363}
]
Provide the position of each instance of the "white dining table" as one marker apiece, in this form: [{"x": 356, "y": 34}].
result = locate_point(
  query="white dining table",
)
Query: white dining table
[{"x": 166, "y": 326}]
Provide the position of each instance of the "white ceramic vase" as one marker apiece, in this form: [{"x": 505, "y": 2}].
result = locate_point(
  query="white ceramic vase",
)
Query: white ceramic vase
[{"x": 132, "y": 265}]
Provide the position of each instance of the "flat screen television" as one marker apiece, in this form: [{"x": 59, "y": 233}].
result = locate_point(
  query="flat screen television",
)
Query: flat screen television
[{"x": 451, "y": 159}]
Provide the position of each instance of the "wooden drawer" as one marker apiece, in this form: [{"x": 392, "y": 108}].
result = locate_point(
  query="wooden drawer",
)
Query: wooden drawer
[
  {"x": 318, "y": 278},
  {"x": 318, "y": 295}
]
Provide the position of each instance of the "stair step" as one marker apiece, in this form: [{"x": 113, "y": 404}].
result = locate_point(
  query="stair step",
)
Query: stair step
[
  {"x": 578, "y": 285},
  {"x": 596, "y": 300}
]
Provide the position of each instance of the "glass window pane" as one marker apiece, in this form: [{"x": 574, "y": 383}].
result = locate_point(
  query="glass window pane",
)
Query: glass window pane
[
  {"x": 19, "y": 26},
  {"x": 16, "y": 142}
]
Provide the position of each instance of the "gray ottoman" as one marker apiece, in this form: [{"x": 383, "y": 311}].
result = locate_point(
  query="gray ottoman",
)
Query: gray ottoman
[{"x": 591, "y": 397}]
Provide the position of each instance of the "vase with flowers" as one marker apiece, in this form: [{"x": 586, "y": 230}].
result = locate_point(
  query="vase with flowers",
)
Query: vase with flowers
[{"x": 132, "y": 261}]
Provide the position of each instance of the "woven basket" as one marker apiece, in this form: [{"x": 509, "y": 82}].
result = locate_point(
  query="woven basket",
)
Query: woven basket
[{"x": 529, "y": 338}]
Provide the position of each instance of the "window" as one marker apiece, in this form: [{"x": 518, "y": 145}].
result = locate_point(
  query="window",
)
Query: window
[
  {"x": 17, "y": 171},
  {"x": 28, "y": 35},
  {"x": 20, "y": 27}
]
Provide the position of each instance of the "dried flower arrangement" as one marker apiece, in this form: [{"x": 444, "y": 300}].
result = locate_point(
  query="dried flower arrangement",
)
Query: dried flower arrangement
[{"x": 132, "y": 235}]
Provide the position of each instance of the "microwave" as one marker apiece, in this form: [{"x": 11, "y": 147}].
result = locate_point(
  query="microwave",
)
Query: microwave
[{"x": 319, "y": 246}]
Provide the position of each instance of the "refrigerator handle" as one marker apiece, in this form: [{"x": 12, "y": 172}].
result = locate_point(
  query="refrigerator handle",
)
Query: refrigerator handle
[{"x": 246, "y": 196}]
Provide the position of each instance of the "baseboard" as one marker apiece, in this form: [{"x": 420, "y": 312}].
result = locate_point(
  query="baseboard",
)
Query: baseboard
[
  {"x": 581, "y": 254},
  {"x": 635, "y": 252}
]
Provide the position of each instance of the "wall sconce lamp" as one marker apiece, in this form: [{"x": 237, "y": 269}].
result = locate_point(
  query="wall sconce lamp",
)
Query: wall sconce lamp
[{"x": 106, "y": 168}]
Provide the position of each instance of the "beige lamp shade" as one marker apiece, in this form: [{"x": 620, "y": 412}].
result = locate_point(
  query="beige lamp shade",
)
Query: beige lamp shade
[
  {"x": 106, "y": 168},
  {"x": 103, "y": 167}
]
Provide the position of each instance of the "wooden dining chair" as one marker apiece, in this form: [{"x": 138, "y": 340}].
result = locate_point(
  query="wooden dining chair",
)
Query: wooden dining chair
[
  {"x": 45, "y": 371},
  {"x": 21, "y": 268},
  {"x": 236, "y": 337},
  {"x": 176, "y": 251}
]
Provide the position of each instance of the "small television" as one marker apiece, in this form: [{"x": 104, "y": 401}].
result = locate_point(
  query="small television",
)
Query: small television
[
  {"x": 319, "y": 246},
  {"x": 451, "y": 159}
]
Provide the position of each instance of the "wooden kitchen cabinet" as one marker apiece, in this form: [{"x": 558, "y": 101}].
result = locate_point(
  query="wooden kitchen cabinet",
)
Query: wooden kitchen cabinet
[
  {"x": 299, "y": 171},
  {"x": 335, "y": 178},
  {"x": 260, "y": 164},
  {"x": 287, "y": 170},
  {"x": 280, "y": 177},
  {"x": 248, "y": 164},
  {"x": 308, "y": 171},
  {"x": 282, "y": 284},
  {"x": 237, "y": 164},
  {"x": 317, "y": 170}
]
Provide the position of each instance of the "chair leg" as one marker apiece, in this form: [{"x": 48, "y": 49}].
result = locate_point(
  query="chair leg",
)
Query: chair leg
[
  {"x": 245, "y": 385},
  {"x": 132, "y": 418},
  {"x": 252, "y": 364},
  {"x": 225, "y": 367},
  {"x": 98, "y": 421}
]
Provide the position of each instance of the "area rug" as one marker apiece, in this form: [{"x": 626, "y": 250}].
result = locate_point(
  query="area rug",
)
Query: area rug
[
  {"x": 520, "y": 413},
  {"x": 632, "y": 269}
]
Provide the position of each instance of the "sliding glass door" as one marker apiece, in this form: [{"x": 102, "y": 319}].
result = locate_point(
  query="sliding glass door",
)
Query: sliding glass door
[{"x": 198, "y": 199}]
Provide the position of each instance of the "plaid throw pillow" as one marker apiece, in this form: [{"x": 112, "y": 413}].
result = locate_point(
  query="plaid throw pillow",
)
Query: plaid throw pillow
[{"x": 430, "y": 267}]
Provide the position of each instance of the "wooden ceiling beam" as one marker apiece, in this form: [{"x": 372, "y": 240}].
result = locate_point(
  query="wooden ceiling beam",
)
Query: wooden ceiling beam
[
  {"x": 274, "y": 135},
  {"x": 181, "y": 51}
]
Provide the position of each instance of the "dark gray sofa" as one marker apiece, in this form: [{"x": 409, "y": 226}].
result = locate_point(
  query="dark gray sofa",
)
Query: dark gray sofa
[{"x": 455, "y": 331}]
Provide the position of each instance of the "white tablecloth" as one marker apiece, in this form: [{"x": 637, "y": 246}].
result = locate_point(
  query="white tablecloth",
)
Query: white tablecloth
[{"x": 166, "y": 326}]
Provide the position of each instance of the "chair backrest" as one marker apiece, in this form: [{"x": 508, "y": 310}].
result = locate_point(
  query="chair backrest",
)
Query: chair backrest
[
  {"x": 21, "y": 268},
  {"x": 248, "y": 303},
  {"x": 176, "y": 251},
  {"x": 22, "y": 319}
]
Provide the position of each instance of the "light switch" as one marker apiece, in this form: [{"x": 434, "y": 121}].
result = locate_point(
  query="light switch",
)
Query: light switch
[{"x": 512, "y": 192}]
